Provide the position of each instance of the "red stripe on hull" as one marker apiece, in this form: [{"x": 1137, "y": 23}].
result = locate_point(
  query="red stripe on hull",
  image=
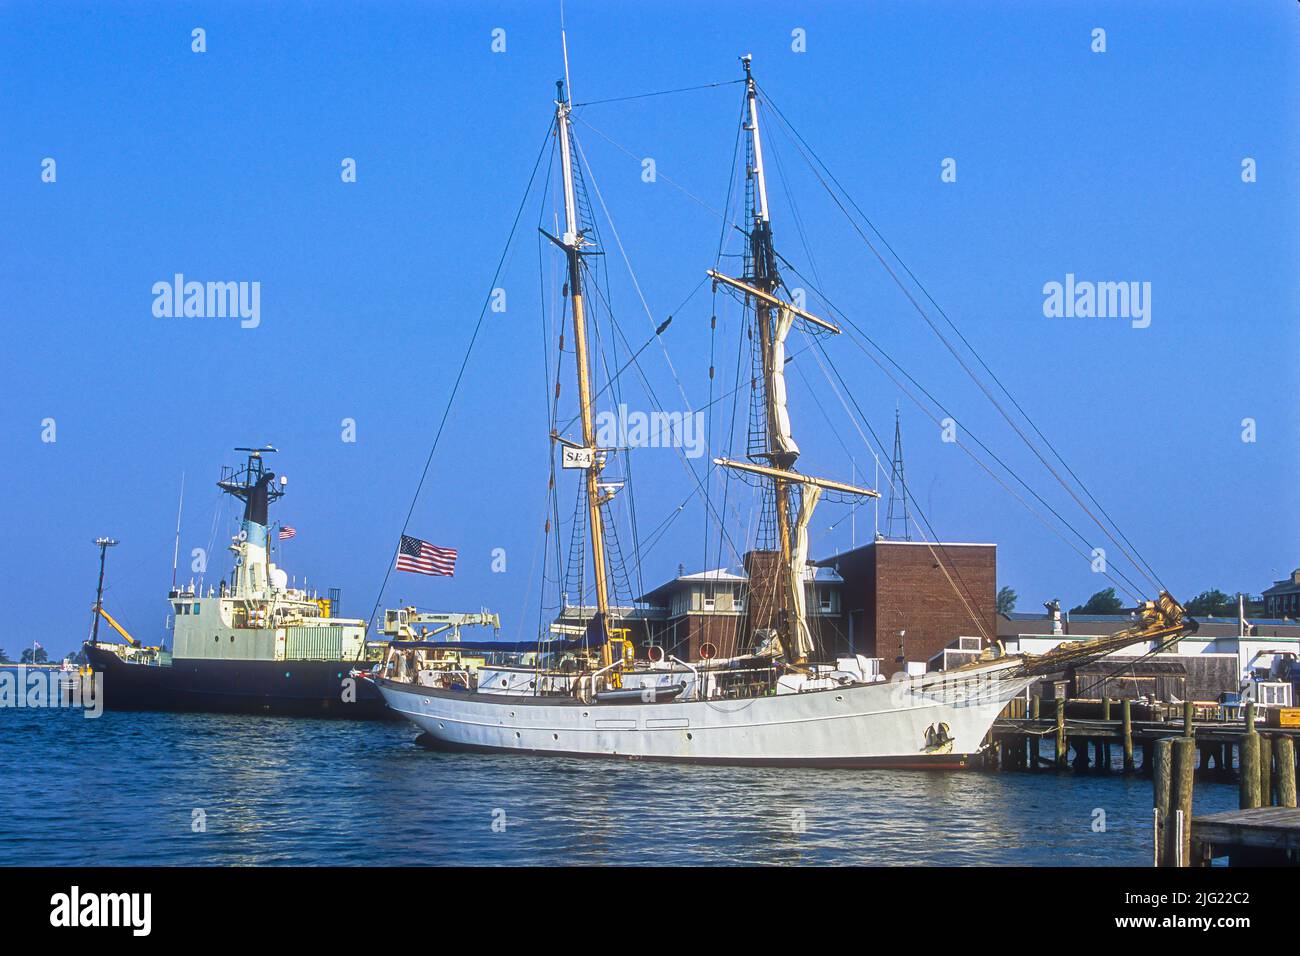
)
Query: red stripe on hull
[{"x": 909, "y": 762}]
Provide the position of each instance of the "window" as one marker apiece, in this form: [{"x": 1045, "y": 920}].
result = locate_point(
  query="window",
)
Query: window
[
  {"x": 196, "y": 608},
  {"x": 177, "y": 606}
]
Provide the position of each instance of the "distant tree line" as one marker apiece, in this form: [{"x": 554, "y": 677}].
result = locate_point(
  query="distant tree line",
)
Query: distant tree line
[{"x": 1211, "y": 603}]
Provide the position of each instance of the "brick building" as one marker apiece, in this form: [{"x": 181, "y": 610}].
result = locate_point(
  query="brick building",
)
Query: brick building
[
  {"x": 725, "y": 606},
  {"x": 857, "y": 603},
  {"x": 906, "y": 601}
]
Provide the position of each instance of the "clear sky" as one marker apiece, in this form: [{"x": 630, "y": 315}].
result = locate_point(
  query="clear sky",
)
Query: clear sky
[{"x": 1123, "y": 165}]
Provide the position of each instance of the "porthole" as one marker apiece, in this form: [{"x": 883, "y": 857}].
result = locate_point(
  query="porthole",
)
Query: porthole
[
  {"x": 555, "y": 736},
  {"x": 216, "y": 638},
  {"x": 516, "y": 735},
  {"x": 287, "y": 674},
  {"x": 689, "y": 737}
]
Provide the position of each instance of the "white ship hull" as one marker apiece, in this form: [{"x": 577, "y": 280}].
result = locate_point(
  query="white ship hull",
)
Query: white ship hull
[{"x": 938, "y": 720}]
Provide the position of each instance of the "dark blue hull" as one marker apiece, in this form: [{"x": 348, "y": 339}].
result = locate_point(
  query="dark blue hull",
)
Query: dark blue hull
[{"x": 291, "y": 688}]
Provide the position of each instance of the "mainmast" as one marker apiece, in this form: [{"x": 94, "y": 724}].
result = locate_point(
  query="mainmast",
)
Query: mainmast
[
  {"x": 780, "y": 454},
  {"x": 774, "y": 318},
  {"x": 589, "y": 458}
]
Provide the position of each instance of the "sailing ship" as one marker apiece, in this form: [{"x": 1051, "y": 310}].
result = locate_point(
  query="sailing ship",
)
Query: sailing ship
[
  {"x": 780, "y": 699},
  {"x": 255, "y": 645}
]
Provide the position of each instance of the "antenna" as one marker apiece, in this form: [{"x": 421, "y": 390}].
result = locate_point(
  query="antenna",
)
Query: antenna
[
  {"x": 176, "y": 549},
  {"x": 898, "y": 488},
  {"x": 564, "y": 46}
]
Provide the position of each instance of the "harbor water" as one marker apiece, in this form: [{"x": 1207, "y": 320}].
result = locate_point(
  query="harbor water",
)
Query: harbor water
[{"x": 200, "y": 789}]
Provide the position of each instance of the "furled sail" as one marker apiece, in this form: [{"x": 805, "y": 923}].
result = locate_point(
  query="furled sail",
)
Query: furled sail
[
  {"x": 802, "y": 636},
  {"x": 785, "y": 443}
]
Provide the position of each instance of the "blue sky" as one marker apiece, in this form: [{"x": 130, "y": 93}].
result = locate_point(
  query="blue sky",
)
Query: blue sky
[{"x": 1115, "y": 166}]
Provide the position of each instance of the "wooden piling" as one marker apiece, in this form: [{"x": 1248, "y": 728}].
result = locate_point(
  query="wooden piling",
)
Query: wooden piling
[
  {"x": 1284, "y": 754},
  {"x": 1162, "y": 769},
  {"x": 1180, "y": 799},
  {"x": 1265, "y": 771},
  {"x": 1248, "y": 747},
  {"x": 1126, "y": 716},
  {"x": 1062, "y": 756},
  {"x": 1188, "y": 730}
]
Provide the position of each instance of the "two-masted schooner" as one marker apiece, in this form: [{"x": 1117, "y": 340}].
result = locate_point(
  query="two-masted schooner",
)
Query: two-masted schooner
[{"x": 773, "y": 701}]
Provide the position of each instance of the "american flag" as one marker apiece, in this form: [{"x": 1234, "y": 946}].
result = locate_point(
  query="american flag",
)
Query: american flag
[
  {"x": 286, "y": 532},
  {"x": 422, "y": 557}
]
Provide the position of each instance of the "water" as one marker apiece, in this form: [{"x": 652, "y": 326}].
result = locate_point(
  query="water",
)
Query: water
[{"x": 124, "y": 789}]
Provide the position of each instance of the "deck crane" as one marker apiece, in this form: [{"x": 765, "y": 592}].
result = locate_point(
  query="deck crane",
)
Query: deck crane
[{"x": 401, "y": 624}]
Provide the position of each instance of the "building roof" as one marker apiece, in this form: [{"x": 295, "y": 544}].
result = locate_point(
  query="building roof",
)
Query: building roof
[
  {"x": 1095, "y": 625},
  {"x": 1289, "y": 585},
  {"x": 660, "y": 594}
]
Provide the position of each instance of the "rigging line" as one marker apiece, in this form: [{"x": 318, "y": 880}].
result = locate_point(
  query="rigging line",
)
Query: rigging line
[
  {"x": 713, "y": 320},
  {"x": 649, "y": 315},
  {"x": 659, "y": 330},
  {"x": 1131, "y": 589},
  {"x": 969, "y": 346},
  {"x": 1137, "y": 561},
  {"x": 798, "y": 224},
  {"x": 469, "y": 349},
  {"x": 686, "y": 404},
  {"x": 627, "y": 468},
  {"x": 727, "y": 221},
  {"x": 658, "y": 406},
  {"x": 551, "y": 503},
  {"x": 924, "y": 526},
  {"x": 659, "y": 175},
  {"x": 742, "y": 346},
  {"x": 642, "y": 96}
]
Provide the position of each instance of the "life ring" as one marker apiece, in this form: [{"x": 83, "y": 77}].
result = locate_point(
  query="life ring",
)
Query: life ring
[
  {"x": 707, "y": 651},
  {"x": 243, "y": 534},
  {"x": 656, "y": 653}
]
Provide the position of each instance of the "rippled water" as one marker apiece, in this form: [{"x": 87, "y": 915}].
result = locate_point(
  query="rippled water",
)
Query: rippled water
[{"x": 124, "y": 788}]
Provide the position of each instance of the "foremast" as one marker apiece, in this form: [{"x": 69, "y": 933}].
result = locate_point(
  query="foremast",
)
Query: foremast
[
  {"x": 590, "y": 459},
  {"x": 774, "y": 318}
]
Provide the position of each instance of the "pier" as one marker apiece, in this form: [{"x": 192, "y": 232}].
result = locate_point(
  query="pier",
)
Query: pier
[
  {"x": 1120, "y": 736},
  {"x": 1175, "y": 749}
]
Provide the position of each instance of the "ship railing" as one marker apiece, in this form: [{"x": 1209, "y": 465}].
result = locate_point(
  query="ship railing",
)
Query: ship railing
[
  {"x": 699, "y": 686},
  {"x": 592, "y": 678}
]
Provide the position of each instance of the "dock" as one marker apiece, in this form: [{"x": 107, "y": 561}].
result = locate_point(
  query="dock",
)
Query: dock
[
  {"x": 1263, "y": 836},
  {"x": 1094, "y": 742}
]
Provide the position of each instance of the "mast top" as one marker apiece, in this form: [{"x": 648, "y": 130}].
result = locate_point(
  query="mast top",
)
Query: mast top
[{"x": 751, "y": 94}]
